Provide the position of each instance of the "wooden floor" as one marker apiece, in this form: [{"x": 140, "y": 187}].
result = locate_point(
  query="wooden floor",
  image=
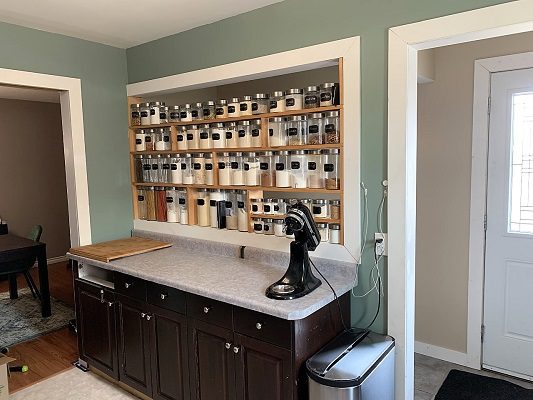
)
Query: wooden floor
[{"x": 52, "y": 353}]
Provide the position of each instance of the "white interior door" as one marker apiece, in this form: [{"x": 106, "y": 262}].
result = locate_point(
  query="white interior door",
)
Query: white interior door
[{"x": 508, "y": 304}]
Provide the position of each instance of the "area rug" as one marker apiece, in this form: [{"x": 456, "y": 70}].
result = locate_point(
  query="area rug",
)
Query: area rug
[
  {"x": 461, "y": 385},
  {"x": 20, "y": 319}
]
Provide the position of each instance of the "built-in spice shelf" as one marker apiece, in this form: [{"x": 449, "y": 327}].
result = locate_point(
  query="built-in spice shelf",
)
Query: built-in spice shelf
[
  {"x": 317, "y": 219},
  {"x": 262, "y": 188}
]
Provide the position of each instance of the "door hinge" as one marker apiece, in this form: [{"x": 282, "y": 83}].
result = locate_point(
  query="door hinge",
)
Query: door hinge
[
  {"x": 489, "y": 101},
  {"x": 482, "y": 333},
  {"x": 485, "y": 222}
]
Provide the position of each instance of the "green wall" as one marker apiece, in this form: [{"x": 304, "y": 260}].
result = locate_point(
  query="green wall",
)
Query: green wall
[
  {"x": 103, "y": 73},
  {"x": 298, "y": 23}
]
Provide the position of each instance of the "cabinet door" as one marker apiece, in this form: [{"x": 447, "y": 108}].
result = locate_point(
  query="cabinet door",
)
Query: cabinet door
[
  {"x": 211, "y": 361},
  {"x": 263, "y": 370},
  {"x": 170, "y": 372},
  {"x": 96, "y": 327},
  {"x": 134, "y": 338}
]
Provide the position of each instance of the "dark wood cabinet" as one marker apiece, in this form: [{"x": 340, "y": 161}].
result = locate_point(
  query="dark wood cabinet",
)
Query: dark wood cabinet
[{"x": 97, "y": 342}]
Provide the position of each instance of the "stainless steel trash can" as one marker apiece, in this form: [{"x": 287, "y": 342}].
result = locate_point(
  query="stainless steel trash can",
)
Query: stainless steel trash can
[{"x": 356, "y": 365}]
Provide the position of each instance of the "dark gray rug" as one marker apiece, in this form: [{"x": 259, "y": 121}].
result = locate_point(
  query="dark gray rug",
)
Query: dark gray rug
[
  {"x": 461, "y": 385},
  {"x": 20, "y": 319}
]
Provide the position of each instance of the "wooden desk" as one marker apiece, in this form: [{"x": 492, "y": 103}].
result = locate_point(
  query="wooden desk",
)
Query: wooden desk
[{"x": 14, "y": 248}]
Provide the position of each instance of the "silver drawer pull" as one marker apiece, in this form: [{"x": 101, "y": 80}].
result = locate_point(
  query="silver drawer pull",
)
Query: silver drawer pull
[
  {"x": 206, "y": 309},
  {"x": 259, "y": 326},
  {"x": 143, "y": 315},
  {"x": 163, "y": 296},
  {"x": 235, "y": 349},
  {"x": 127, "y": 285},
  {"x": 228, "y": 345},
  {"x": 110, "y": 304},
  {"x": 102, "y": 296}
]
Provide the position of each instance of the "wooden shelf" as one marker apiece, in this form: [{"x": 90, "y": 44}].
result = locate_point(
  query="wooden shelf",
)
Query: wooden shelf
[
  {"x": 319, "y": 220},
  {"x": 261, "y": 188},
  {"x": 242, "y": 149},
  {"x": 243, "y": 118}
]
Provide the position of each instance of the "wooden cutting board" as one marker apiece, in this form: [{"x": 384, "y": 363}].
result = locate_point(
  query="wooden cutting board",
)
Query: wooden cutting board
[{"x": 114, "y": 249}]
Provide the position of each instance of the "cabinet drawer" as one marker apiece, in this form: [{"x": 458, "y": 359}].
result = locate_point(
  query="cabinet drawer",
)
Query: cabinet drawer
[
  {"x": 102, "y": 292},
  {"x": 263, "y": 327},
  {"x": 130, "y": 286},
  {"x": 166, "y": 297},
  {"x": 211, "y": 311}
]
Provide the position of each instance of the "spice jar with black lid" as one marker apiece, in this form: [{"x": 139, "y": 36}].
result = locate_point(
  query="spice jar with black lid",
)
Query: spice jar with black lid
[
  {"x": 277, "y": 102},
  {"x": 329, "y": 94},
  {"x": 293, "y": 99},
  {"x": 312, "y": 97},
  {"x": 209, "y": 110},
  {"x": 135, "y": 115},
  {"x": 260, "y": 104}
]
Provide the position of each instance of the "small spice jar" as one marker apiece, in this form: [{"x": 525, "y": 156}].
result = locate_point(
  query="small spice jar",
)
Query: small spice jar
[
  {"x": 140, "y": 144},
  {"x": 251, "y": 169},
  {"x": 298, "y": 169},
  {"x": 160, "y": 204},
  {"x": 315, "y": 128},
  {"x": 267, "y": 173},
  {"x": 186, "y": 113},
  {"x": 173, "y": 214},
  {"x": 149, "y": 194},
  {"x": 193, "y": 137},
  {"x": 277, "y": 135},
  {"x": 245, "y": 106},
  {"x": 232, "y": 135},
  {"x": 242, "y": 211},
  {"x": 257, "y": 223},
  {"x": 279, "y": 227},
  {"x": 279, "y": 207},
  {"x": 320, "y": 208},
  {"x": 315, "y": 170},
  {"x": 277, "y": 102},
  {"x": 308, "y": 203},
  {"x": 209, "y": 170},
  {"x": 149, "y": 139},
  {"x": 206, "y": 141},
  {"x": 224, "y": 169},
  {"x": 331, "y": 128},
  {"x": 197, "y": 111},
  {"x": 245, "y": 134},
  {"x": 145, "y": 113},
  {"x": 154, "y": 170},
  {"x": 198, "y": 167},
  {"x": 142, "y": 212},
  {"x": 260, "y": 104},
  {"x": 175, "y": 170},
  {"x": 162, "y": 139},
  {"x": 256, "y": 206},
  {"x": 237, "y": 171},
  {"x": 324, "y": 232},
  {"x": 221, "y": 109},
  {"x": 312, "y": 97},
  {"x": 155, "y": 109},
  {"x": 296, "y": 129},
  {"x": 268, "y": 206},
  {"x": 283, "y": 176},
  {"x": 331, "y": 167},
  {"x": 218, "y": 135},
  {"x": 268, "y": 226},
  {"x": 135, "y": 115},
  {"x": 334, "y": 233},
  {"x": 165, "y": 169},
  {"x": 163, "y": 115},
  {"x": 335, "y": 209},
  {"x": 232, "y": 222},
  {"x": 184, "y": 211},
  {"x": 256, "y": 133},
  {"x": 181, "y": 138},
  {"x": 202, "y": 207},
  {"x": 329, "y": 94},
  {"x": 174, "y": 114},
  {"x": 234, "y": 107},
  {"x": 209, "y": 110},
  {"x": 215, "y": 196},
  {"x": 147, "y": 168},
  {"x": 186, "y": 169},
  {"x": 138, "y": 167},
  {"x": 293, "y": 99}
]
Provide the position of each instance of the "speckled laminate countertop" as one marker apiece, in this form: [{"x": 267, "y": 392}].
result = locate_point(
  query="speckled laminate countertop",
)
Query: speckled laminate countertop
[{"x": 237, "y": 281}]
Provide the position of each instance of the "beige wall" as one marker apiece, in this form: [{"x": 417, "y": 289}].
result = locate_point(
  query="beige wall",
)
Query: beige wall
[
  {"x": 32, "y": 172},
  {"x": 443, "y": 201}
]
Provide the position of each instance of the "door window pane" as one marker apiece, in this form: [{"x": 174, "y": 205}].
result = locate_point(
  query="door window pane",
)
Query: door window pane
[{"x": 521, "y": 196}]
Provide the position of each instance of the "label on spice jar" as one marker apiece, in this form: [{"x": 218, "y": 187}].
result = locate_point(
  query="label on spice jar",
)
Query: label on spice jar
[
  {"x": 255, "y": 208},
  {"x": 147, "y": 167},
  {"x": 212, "y": 203},
  {"x": 325, "y": 96},
  {"x": 194, "y": 113},
  {"x": 190, "y": 136},
  {"x": 242, "y": 133},
  {"x": 204, "y": 135},
  {"x": 216, "y": 136},
  {"x": 162, "y": 115},
  {"x": 138, "y": 141},
  {"x": 166, "y": 166},
  {"x": 313, "y": 128},
  {"x": 180, "y": 138},
  {"x": 181, "y": 201},
  {"x": 266, "y": 208},
  {"x": 276, "y": 208},
  {"x": 197, "y": 166},
  {"x": 135, "y": 114},
  {"x": 329, "y": 128},
  {"x": 140, "y": 198},
  {"x": 329, "y": 167},
  {"x": 311, "y": 100},
  {"x": 295, "y": 165},
  {"x": 255, "y": 132},
  {"x": 289, "y": 102},
  {"x": 174, "y": 167},
  {"x": 219, "y": 111},
  {"x": 317, "y": 210},
  {"x": 247, "y": 167},
  {"x": 200, "y": 202},
  {"x": 311, "y": 166},
  {"x": 174, "y": 115},
  {"x": 154, "y": 167},
  {"x": 152, "y": 111},
  {"x": 206, "y": 112},
  {"x": 292, "y": 131},
  {"x": 231, "y": 109},
  {"x": 183, "y": 166},
  {"x": 221, "y": 165},
  {"x": 148, "y": 139},
  {"x": 229, "y": 204},
  {"x": 258, "y": 227},
  {"x": 240, "y": 204},
  {"x": 234, "y": 165},
  {"x": 267, "y": 228},
  {"x": 208, "y": 167},
  {"x": 183, "y": 114},
  {"x": 280, "y": 166},
  {"x": 263, "y": 166},
  {"x": 244, "y": 107},
  {"x": 144, "y": 114},
  {"x": 170, "y": 199},
  {"x": 271, "y": 132},
  {"x": 273, "y": 104},
  {"x": 255, "y": 107},
  {"x": 229, "y": 135},
  {"x": 166, "y": 138}
]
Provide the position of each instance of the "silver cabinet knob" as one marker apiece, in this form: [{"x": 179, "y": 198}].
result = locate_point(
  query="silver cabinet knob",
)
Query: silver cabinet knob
[
  {"x": 235, "y": 349},
  {"x": 206, "y": 309},
  {"x": 163, "y": 296},
  {"x": 148, "y": 317},
  {"x": 228, "y": 345},
  {"x": 259, "y": 326},
  {"x": 127, "y": 285},
  {"x": 109, "y": 304},
  {"x": 143, "y": 315}
]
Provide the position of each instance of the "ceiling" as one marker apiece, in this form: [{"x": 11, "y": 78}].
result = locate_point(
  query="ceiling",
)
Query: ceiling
[
  {"x": 122, "y": 23},
  {"x": 30, "y": 94}
]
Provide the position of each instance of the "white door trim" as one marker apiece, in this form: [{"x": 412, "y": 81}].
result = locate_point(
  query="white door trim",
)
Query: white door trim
[
  {"x": 404, "y": 42},
  {"x": 73, "y": 144}
]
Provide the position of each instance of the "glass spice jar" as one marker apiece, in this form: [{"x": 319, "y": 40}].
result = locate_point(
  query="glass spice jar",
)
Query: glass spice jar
[
  {"x": 182, "y": 137},
  {"x": 175, "y": 170},
  {"x": 162, "y": 141},
  {"x": 232, "y": 135},
  {"x": 186, "y": 113},
  {"x": 173, "y": 214},
  {"x": 320, "y": 208},
  {"x": 221, "y": 109},
  {"x": 267, "y": 173},
  {"x": 242, "y": 211},
  {"x": 149, "y": 139},
  {"x": 234, "y": 107},
  {"x": 232, "y": 219},
  {"x": 209, "y": 110},
  {"x": 198, "y": 169},
  {"x": 298, "y": 169},
  {"x": 209, "y": 170},
  {"x": 277, "y": 135},
  {"x": 163, "y": 115},
  {"x": 160, "y": 204},
  {"x": 315, "y": 128},
  {"x": 145, "y": 113},
  {"x": 147, "y": 169},
  {"x": 283, "y": 176},
  {"x": 193, "y": 137},
  {"x": 245, "y": 134},
  {"x": 293, "y": 99},
  {"x": 279, "y": 228},
  {"x": 237, "y": 171},
  {"x": 165, "y": 169},
  {"x": 256, "y": 133},
  {"x": 140, "y": 144},
  {"x": 334, "y": 233},
  {"x": 268, "y": 226},
  {"x": 324, "y": 231},
  {"x": 174, "y": 114},
  {"x": 135, "y": 115},
  {"x": 277, "y": 102},
  {"x": 138, "y": 167},
  {"x": 184, "y": 211},
  {"x": 335, "y": 209},
  {"x": 218, "y": 135},
  {"x": 154, "y": 171},
  {"x": 186, "y": 169},
  {"x": 331, "y": 128},
  {"x": 268, "y": 206},
  {"x": 329, "y": 94},
  {"x": 197, "y": 112},
  {"x": 260, "y": 104},
  {"x": 312, "y": 97},
  {"x": 331, "y": 168},
  {"x": 251, "y": 169},
  {"x": 257, "y": 223},
  {"x": 296, "y": 129},
  {"x": 142, "y": 212},
  {"x": 202, "y": 207},
  {"x": 215, "y": 197},
  {"x": 155, "y": 109},
  {"x": 245, "y": 106},
  {"x": 256, "y": 206},
  {"x": 149, "y": 194},
  {"x": 206, "y": 140},
  {"x": 224, "y": 169},
  {"x": 315, "y": 170}
]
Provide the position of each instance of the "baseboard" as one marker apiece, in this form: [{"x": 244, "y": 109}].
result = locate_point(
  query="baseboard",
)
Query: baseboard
[
  {"x": 441, "y": 353},
  {"x": 54, "y": 260}
]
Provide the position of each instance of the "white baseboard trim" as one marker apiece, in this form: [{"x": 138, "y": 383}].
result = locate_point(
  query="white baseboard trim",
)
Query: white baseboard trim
[{"x": 441, "y": 353}]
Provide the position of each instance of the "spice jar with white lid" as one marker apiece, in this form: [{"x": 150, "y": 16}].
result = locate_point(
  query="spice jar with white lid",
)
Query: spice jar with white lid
[
  {"x": 209, "y": 170},
  {"x": 206, "y": 141},
  {"x": 135, "y": 115},
  {"x": 140, "y": 144},
  {"x": 202, "y": 207},
  {"x": 224, "y": 169},
  {"x": 145, "y": 113},
  {"x": 260, "y": 104},
  {"x": 181, "y": 137},
  {"x": 173, "y": 214},
  {"x": 209, "y": 110},
  {"x": 331, "y": 128},
  {"x": 335, "y": 209},
  {"x": 155, "y": 109},
  {"x": 149, "y": 139},
  {"x": 251, "y": 169},
  {"x": 215, "y": 196},
  {"x": 237, "y": 171},
  {"x": 293, "y": 99},
  {"x": 221, "y": 109},
  {"x": 184, "y": 212},
  {"x": 329, "y": 94},
  {"x": 334, "y": 233},
  {"x": 315, "y": 128},
  {"x": 176, "y": 175},
  {"x": 315, "y": 170},
  {"x": 256, "y": 206},
  {"x": 234, "y": 107},
  {"x": 186, "y": 169},
  {"x": 163, "y": 115},
  {"x": 277, "y": 102},
  {"x": 198, "y": 167},
  {"x": 324, "y": 231},
  {"x": 320, "y": 208},
  {"x": 331, "y": 168},
  {"x": 279, "y": 228},
  {"x": 277, "y": 135},
  {"x": 197, "y": 112},
  {"x": 267, "y": 173},
  {"x": 245, "y": 134},
  {"x": 142, "y": 212},
  {"x": 218, "y": 135},
  {"x": 174, "y": 114},
  {"x": 283, "y": 173},
  {"x": 186, "y": 113},
  {"x": 268, "y": 226},
  {"x": 242, "y": 211},
  {"x": 312, "y": 97},
  {"x": 296, "y": 129},
  {"x": 257, "y": 223},
  {"x": 245, "y": 106},
  {"x": 232, "y": 135},
  {"x": 193, "y": 137},
  {"x": 299, "y": 169}
]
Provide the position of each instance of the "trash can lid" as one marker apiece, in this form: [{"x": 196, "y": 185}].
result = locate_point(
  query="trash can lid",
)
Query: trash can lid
[{"x": 349, "y": 358}]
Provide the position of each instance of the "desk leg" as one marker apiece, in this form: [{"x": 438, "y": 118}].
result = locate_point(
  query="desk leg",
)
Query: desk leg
[
  {"x": 43, "y": 282},
  {"x": 13, "y": 290}
]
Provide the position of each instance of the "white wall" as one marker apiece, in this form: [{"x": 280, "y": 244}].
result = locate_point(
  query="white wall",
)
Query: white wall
[{"x": 443, "y": 198}]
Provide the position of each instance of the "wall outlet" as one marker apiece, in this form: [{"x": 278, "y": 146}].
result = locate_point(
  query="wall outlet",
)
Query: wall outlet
[{"x": 381, "y": 244}]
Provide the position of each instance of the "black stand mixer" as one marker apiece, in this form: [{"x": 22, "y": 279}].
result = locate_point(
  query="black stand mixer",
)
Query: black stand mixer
[{"x": 299, "y": 279}]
